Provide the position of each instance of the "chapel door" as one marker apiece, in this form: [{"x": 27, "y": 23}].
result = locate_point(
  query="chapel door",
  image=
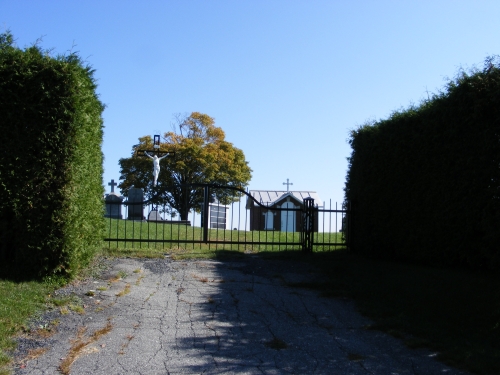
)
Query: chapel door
[{"x": 288, "y": 218}]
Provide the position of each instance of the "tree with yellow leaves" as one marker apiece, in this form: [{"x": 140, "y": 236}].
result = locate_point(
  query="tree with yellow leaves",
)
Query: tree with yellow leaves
[{"x": 199, "y": 155}]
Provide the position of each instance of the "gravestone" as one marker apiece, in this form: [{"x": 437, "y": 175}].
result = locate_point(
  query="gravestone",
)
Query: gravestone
[
  {"x": 135, "y": 211},
  {"x": 154, "y": 216},
  {"x": 113, "y": 205}
]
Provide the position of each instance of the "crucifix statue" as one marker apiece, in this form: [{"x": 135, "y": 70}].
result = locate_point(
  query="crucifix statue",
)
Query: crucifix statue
[
  {"x": 156, "y": 166},
  {"x": 287, "y": 184},
  {"x": 156, "y": 160}
]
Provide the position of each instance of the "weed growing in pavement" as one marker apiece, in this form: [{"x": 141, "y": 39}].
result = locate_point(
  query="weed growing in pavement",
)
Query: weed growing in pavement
[
  {"x": 77, "y": 308},
  {"x": 138, "y": 281},
  {"x": 200, "y": 278},
  {"x": 79, "y": 343},
  {"x": 64, "y": 310},
  {"x": 125, "y": 291}
]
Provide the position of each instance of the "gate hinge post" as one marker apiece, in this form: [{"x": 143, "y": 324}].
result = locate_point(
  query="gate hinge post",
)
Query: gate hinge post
[{"x": 308, "y": 225}]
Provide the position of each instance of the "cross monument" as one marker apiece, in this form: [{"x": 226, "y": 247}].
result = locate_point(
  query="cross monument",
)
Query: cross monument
[{"x": 112, "y": 184}]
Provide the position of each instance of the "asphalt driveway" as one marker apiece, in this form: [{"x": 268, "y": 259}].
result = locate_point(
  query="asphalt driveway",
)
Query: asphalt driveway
[{"x": 211, "y": 317}]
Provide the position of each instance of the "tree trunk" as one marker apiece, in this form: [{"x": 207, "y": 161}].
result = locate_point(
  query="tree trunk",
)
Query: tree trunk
[{"x": 184, "y": 214}]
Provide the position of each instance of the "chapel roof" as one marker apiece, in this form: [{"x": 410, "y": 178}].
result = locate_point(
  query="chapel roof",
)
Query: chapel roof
[{"x": 270, "y": 197}]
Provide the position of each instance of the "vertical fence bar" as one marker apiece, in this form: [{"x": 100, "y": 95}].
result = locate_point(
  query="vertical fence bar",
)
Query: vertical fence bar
[
  {"x": 245, "y": 237},
  {"x": 239, "y": 224},
  {"x": 125, "y": 225},
  {"x": 117, "y": 232},
  {"x": 149, "y": 226},
  {"x": 193, "y": 223},
  {"x": 163, "y": 227},
  {"x": 109, "y": 242},
  {"x": 231, "y": 225},
  {"x": 216, "y": 227},
  {"x": 259, "y": 222},
  {"x": 337, "y": 227},
  {"x": 141, "y": 226},
  {"x": 323, "y": 226},
  {"x": 156, "y": 225},
  {"x": 206, "y": 198},
  {"x": 133, "y": 225},
  {"x": 179, "y": 230}
]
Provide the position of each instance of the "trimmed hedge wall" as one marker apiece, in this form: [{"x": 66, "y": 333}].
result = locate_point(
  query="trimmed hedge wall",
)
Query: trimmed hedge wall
[
  {"x": 425, "y": 183},
  {"x": 51, "y": 207}
]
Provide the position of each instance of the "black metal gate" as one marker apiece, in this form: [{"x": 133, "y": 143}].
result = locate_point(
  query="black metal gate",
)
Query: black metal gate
[{"x": 226, "y": 226}]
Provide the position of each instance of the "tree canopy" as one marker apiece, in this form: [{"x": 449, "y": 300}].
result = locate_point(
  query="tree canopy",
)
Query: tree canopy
[{"x": 200, "y": 155}]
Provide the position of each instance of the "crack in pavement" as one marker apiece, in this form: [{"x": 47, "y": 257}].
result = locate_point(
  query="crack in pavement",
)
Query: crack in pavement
[{"x": 213, "y": 317}]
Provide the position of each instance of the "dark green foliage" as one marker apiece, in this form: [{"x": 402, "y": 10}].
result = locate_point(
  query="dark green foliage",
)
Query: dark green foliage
[
  {"x": 425, "y": 183},
  {"x": 51, "y": 209}
]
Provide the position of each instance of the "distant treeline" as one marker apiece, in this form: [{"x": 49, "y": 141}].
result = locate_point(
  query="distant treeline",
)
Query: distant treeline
[
  {"x": 425, "y": 183},
  {"x": 51, "y": 207}
]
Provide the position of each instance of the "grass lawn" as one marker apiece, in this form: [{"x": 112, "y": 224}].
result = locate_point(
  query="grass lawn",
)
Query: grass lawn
[
  {"x": 454, "y": 312},
  {"x": 18, "y": 301},
  {"x": 179, "y": 236}
]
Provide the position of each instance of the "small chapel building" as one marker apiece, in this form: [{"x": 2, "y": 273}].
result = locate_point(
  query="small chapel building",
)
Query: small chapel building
[{"x": 270, "y": 218}]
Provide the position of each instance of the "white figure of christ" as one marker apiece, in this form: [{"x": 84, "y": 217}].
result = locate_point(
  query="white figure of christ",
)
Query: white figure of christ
[{"x": 156, "y": 166}]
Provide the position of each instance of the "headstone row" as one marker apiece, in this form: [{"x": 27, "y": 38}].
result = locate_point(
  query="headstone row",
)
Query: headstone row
[{"x": 114, "y": 202}]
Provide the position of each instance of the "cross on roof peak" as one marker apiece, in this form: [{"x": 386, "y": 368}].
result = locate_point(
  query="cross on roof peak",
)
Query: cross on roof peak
[{"x": 287, "y": 183}]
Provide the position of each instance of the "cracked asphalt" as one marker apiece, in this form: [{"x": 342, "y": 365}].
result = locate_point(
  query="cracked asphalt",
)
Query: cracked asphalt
[{"x": 211, "y": 317}]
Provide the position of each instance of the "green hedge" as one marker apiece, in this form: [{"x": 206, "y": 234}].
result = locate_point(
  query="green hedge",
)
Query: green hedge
[
  {"x": 425, "y": 183},
  {"x": 51, "y": 208}
]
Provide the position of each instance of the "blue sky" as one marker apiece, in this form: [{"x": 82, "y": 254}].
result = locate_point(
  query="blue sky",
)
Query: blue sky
[{"x": 286, "y": 80}]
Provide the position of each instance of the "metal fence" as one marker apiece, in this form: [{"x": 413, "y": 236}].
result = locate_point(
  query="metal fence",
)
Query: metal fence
[{"x": 245, "y": 225}]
